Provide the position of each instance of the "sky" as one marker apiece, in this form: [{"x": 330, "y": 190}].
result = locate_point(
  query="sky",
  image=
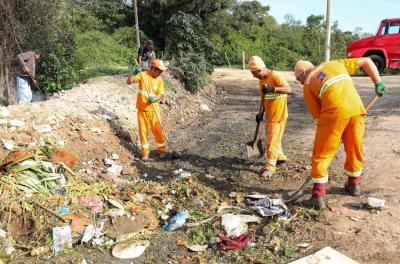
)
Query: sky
[{"x": 350, "y": 14}]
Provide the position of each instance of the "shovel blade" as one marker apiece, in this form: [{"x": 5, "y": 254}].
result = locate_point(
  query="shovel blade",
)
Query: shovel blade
[
  {"x": 290, "y": 197},
  {"x": 254, "y": 148}
]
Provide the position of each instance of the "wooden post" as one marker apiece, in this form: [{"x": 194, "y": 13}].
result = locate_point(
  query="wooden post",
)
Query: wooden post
[
  {"x": 137, "y": 24},
  {"x": 243, "y": 60},
  {"x": 227, "y": 59},
  {"x": 328, "y": 31}
]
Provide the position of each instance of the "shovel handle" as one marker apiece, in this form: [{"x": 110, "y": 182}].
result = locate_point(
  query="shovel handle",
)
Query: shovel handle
[
  {"x": 371, "y": 102},
  {"x": 261, "y": 113}
]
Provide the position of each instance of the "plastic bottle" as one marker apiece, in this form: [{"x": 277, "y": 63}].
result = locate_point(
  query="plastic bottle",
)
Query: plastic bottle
[{"x": 177, "y": 221}]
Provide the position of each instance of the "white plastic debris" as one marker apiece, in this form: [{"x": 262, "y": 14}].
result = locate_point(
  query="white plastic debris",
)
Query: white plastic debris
[
  {"x": 4, "y": 112},
  {"x": 96, "y": 130},
  {"x": 3, "y": 233},
  {"x": 182, "y": 174},
  {"x": 17, "y": 123},
  {"x": 62, "y": 237},
  {"x": 88, "y": 234},
  {"x": 115, "y": 169},
  {"x": 114, "y": 156},
  {"x": 116, "y": 203},
  {"x": 235, "y": 225},
  {"x": 375, "y": 202},
  {"x": 130, "y": 249},
  {"x": 8, "y": 144},
  {"x": 205, "y": 108},
  {"x": 108, "y": 161},
  {"x": 198, "y": 248},
  {"x": 325, "y": 256},
  {"x": 159, "y": 177}
]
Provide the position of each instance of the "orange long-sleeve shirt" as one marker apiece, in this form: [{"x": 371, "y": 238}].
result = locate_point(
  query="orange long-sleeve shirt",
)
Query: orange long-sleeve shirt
[
  {"x": 149, "y": 86},
  {"x": 329, "y": 91},
  {"x": 275, "y": 104}
]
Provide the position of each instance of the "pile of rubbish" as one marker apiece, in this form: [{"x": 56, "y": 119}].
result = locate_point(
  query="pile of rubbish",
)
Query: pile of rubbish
[{"x": 45, "y": 200}]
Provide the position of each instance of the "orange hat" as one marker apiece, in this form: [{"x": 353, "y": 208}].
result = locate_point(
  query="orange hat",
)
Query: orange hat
[
  {"x": 256, "y": 63},
  {"x": 159, "y": 64}
]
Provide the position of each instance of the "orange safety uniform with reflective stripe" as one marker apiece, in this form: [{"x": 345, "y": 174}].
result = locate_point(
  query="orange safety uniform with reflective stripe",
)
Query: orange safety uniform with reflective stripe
[
  {"x": 147, "y": 118},
  {"x": 276, "y": 112},
  {"x": 331, "y": 98}
]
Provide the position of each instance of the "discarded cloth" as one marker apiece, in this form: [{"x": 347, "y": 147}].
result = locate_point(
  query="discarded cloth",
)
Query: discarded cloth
[{"x": 230, "y": 244}]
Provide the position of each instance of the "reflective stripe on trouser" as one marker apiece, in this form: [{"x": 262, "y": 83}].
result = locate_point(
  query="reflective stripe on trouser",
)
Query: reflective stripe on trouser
[
  {"x": 146, "y": 120},
  {"x": 274, "y": 153},
  {"x": 327, "y": 140}
]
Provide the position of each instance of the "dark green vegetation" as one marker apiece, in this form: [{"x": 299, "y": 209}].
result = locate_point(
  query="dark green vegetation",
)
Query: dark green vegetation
[{"x": 86, "y": 38}]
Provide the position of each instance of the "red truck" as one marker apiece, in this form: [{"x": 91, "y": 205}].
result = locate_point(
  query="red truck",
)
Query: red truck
[{"x": 383, "y": 48}]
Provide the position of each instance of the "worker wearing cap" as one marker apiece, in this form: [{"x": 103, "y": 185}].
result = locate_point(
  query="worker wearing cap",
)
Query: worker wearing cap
[
  {"x": 332, "y": 99},
  {"x": 273, "y": 89},
  {"x": 152, "y": 90}
]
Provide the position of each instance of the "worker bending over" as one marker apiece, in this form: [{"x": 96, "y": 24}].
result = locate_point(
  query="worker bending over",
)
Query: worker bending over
[{"x": 332, "y": 99}]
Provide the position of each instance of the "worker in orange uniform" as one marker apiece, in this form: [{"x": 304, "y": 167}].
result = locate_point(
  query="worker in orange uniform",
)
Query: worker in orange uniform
[
  {"x": 151, "y": 88},
  {"x": 273, "y": 89},
  {"x": 332, "y": 99}
]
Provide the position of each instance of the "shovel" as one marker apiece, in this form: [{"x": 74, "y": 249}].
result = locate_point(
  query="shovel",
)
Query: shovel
[
  {"x": 254, "y": 148},
  {"x": 289, "y": 197}
]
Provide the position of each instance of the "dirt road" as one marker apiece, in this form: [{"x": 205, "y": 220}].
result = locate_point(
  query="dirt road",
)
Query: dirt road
[{"x": 214, "y": 145}]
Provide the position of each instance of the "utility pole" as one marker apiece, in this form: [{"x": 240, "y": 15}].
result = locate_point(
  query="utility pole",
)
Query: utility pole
[
  {"x": 328, "y": 31},
  {"x": 137, "y": 24}
]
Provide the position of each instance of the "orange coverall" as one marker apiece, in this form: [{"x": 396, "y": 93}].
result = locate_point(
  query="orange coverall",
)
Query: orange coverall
[
  {"x": 331, "y": 98},
  {"x": 146, "y": 115},
  {"x": 275, "y": 106}
]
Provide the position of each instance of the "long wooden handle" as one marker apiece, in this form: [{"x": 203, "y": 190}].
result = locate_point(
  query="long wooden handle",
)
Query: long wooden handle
[
  {"x": 371, "y": 102},
  {"x": 260, "y": 113}
]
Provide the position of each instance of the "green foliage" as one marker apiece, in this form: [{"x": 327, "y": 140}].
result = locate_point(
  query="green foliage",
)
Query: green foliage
[
  {"x": 193, "y": 51},
  {"x": 56, "y": 73}
]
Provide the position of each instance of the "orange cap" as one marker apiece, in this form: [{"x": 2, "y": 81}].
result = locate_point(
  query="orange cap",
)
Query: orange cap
[
  {"x": 159, "y": 64},
  {"x": 256, "y": 63}
]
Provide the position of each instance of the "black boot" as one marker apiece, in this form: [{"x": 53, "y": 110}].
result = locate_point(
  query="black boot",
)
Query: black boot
[
  {"x": 352, "y": 189},
  {"x": 314, "y": 202}
]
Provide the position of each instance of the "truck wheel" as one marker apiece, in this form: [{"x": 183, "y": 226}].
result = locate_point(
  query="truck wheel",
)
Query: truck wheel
[{"x": 379, "y": 62}]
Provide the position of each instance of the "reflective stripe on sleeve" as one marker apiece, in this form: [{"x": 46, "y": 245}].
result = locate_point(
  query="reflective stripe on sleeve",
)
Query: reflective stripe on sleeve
[
  {"x": 273, "y": 96},
  {"x": 145, "y": 146},
  {"x": 160, "y": 145}
]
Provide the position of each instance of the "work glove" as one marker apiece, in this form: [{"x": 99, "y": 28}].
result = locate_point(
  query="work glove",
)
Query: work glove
[
  {"x": 259, "y": 118},
  {"x": 380, "y": 88},
  {"x": 268, "y": 89},
  {"x": 152, "y": 99},
  {"x": 136, "y": 69}
]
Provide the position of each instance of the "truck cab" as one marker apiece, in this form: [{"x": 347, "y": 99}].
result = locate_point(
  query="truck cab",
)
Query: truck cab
[{"x": 383, "y": 48}]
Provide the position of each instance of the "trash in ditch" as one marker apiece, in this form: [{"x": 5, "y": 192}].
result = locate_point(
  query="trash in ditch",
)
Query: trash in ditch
[
  {"x": 8, "y": 144},
  {"x": 63, "y": 210},
  {"x": 115, "y": 203},
  {"x": 176, "y": 221},
  {"x": 88, "y": 234},
  {"x": 95, "y": 203},
  {"x": 197, "y": 248},
  {"x": 62, "y": 238},
  {"x": 268, "y": 207},
  {"x": 236, "y": 225},
  {"x": 17, "y": 123},
  {"x": 226, "y": 244},
  {"x": 375, "y": 202},
  {"x": 7, "y": 246},
  {"x": 182, "y": 174},
  {"x": 129, "y": 249}
]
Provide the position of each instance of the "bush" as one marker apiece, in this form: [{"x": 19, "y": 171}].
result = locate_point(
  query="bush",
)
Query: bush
[
  {"x": 192, "y": 50},
  {"x": 56, "y": 72}
]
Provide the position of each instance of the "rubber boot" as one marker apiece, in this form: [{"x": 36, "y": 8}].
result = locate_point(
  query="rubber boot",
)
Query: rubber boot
[
  {"x": 352, "y": 189},
  {"x": 352, "y": 186},
  {"x": 315, "y": 202},
  {"x": 317, "y": 199}
]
